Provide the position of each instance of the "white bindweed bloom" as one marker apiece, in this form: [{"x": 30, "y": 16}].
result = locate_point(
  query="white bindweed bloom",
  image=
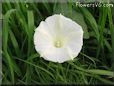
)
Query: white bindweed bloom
[{"x": 58, "y": 39}]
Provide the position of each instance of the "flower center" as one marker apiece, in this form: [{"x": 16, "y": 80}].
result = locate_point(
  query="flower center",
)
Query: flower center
[{"x": 58, "y": 44}]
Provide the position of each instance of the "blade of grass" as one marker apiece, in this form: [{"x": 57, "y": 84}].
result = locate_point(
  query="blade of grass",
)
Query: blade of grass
[
  {"x": 37, "y": 10},
  {"x": 91, "y": 21},
  {"x": 112, "y": 35},
  {"x": 21, "y": 19},
  {"x": 30, "y": 38},
  {"x": 102, "y": 20},
  {"x": 5, "y": 41},
  {"x": 36, "y": 67},
  {"x": 15, "y": 43},
  {"x": 30, "y": 30},
  {"x": 88, "y": 58},
  {"x": 47, "y": 6},
  {"x": 94, "y": 71},
  {"x": 101, "y": 72}
]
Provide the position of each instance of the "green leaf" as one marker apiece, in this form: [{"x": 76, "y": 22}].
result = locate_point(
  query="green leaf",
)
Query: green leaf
[
  {"x": 14, "y": 43},
  {"x": 5, "y": 41},
  {"x": 30, "y": 23},
  {"x": 67, "y": 10},
  {"x": 6, "y": 26},
  {"x": 91, "y": 20},
  {"x": 30, "y": 30},
  {"x": 37, "y": 66},
  {"x": 101, "y": 72}
]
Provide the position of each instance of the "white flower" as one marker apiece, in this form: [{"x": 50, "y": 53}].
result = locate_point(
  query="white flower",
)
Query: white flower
[{"x": 58, "y": 39}]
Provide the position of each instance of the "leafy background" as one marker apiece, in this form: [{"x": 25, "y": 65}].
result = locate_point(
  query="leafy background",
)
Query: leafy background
[{"x": 23, "y": 65}]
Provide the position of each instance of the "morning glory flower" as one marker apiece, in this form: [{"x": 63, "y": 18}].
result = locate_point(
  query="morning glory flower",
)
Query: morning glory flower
[{"x": 58, "y": 38}]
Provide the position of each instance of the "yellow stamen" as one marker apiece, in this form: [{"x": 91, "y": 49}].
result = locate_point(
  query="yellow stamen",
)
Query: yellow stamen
[{"x": 58, "y": 44}]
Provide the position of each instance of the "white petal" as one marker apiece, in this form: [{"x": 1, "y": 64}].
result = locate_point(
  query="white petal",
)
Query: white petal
[
  {"x": 74, "y": 34},
  {"x": 42, "y": 38},
  {"x": 59, "y": 55},
  {"x": 54, "y": 22},
  {"x": 58, "y": 27},
  {"x": 42, "y": 43},
  {"x": 44, "y": 28}
]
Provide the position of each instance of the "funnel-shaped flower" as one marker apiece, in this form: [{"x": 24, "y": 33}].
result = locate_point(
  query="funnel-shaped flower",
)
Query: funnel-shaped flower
[{"x": 58, "y": 39}]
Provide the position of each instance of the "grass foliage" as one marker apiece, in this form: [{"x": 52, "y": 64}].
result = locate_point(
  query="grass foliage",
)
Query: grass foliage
[{"x": 23, "y": 65}]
